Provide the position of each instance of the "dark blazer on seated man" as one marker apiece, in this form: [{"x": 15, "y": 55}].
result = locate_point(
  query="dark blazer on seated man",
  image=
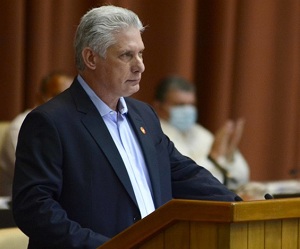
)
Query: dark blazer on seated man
[{"x": 71, "y": 181}]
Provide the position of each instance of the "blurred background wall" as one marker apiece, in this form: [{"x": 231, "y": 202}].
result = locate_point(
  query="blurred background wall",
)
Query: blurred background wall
[{"x": 243, "y": 56}]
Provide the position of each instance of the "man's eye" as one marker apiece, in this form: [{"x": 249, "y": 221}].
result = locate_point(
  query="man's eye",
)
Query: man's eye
[{"x": 126, "y": 55}]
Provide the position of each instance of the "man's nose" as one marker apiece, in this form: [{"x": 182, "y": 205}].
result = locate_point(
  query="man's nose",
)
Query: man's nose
[{"x": 138, "y": 65}]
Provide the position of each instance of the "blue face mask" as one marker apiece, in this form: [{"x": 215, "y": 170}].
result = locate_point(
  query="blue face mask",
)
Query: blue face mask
[{"x": 183, "y": 117}]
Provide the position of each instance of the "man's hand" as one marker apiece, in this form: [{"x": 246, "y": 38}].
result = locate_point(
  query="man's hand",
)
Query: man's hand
[{"x": 227, "y": 139}]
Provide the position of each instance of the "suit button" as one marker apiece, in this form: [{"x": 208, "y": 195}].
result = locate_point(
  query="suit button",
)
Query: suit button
[{"x": 136, "y": 218}]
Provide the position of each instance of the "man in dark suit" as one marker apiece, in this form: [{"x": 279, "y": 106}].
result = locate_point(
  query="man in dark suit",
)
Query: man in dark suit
[{"x": 91, "y": 161}]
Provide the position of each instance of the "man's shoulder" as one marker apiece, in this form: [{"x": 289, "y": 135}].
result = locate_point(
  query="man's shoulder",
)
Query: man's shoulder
[
  {"x": 200, "y": 128},
  {"x": 18, "y": 120},
  {"x": 200, "y": 131}
]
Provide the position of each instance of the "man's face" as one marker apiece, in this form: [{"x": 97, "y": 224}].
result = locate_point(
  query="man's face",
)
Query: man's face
[
  {"x": 119, "y": 74},
  {"x": 176, "y": 98}
]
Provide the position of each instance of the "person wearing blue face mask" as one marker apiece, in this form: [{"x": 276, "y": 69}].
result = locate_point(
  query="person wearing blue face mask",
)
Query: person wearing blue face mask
[{"x": 175, "y": 101}]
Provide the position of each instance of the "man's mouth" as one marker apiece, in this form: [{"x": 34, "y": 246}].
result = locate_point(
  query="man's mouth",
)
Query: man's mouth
[{"x": 134, "y": 80}]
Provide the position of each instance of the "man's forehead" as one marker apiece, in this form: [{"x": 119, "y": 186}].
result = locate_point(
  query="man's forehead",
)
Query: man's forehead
[
  {"x": 180, "y": 96},
  {"x": 128, "y": 39},
  {"x": 128, "y": 46}
]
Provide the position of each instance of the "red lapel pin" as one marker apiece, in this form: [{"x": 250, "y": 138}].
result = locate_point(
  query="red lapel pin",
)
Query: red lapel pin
[{"x": 143, "y": 130}]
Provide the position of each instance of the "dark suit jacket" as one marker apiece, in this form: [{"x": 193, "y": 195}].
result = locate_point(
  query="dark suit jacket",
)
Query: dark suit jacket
[{"x": 71, "y": 188}]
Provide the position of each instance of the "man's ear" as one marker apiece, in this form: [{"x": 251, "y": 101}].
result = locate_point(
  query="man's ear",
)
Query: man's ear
[{"x": 89, "y": 58}]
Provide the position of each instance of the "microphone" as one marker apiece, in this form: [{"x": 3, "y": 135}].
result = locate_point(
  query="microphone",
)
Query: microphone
[{"x": 268, "y": 196}]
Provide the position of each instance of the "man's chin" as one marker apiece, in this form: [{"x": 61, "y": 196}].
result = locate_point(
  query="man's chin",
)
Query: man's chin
[{"x": 133, "y": 90}]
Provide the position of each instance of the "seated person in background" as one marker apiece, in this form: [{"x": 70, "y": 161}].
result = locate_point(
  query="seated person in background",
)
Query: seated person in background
[
  {"x": 175, "y": 100},
  {"x": 50, "y": 86}
]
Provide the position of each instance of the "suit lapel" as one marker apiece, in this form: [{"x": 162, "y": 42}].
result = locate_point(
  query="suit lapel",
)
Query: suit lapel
[
  {"x": 98, "y": 130},
  {"x": 94, "y": 123},
  {"x": 149, "y": 152}
]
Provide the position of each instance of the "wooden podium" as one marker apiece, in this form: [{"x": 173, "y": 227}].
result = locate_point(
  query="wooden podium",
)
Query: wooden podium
[{"x": 188, "y": 224}]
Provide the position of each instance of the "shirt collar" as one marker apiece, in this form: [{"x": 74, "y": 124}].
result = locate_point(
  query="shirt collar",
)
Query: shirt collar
[{"x": 103, "y": 108}]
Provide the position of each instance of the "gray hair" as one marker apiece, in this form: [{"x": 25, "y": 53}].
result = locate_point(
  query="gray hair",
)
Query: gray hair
[{"x": 98, "y": 27}]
